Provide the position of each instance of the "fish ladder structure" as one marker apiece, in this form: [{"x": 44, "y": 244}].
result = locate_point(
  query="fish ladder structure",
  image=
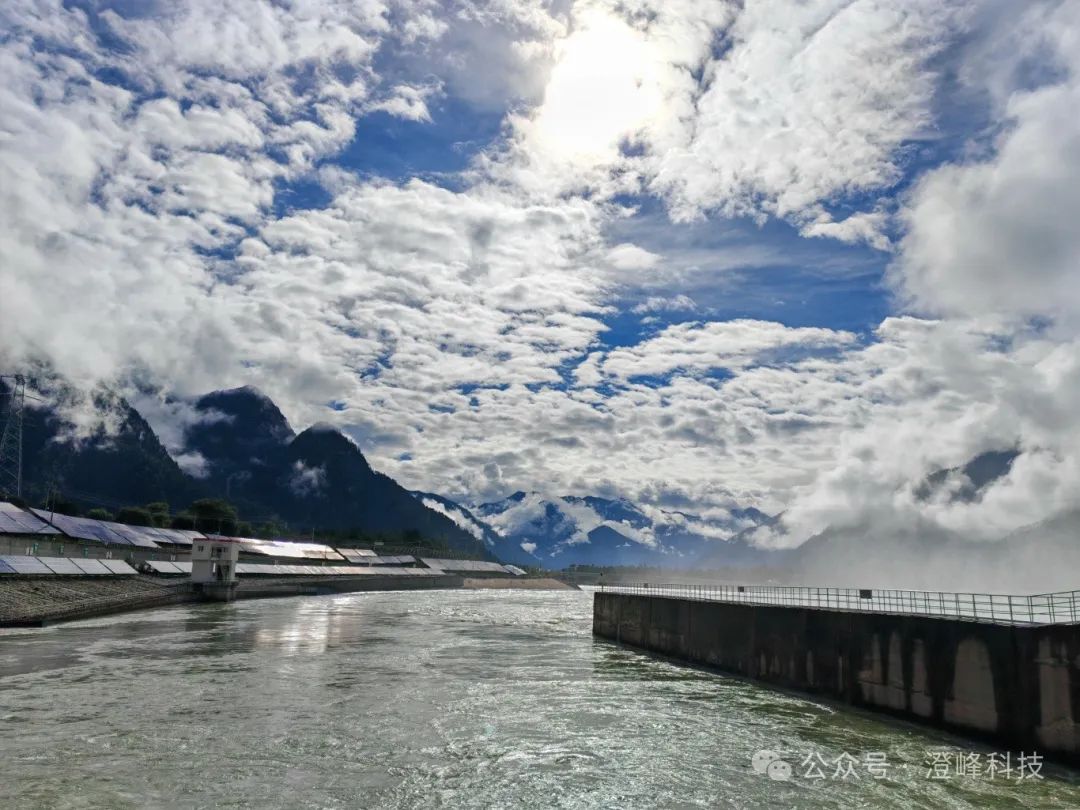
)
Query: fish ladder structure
[{"x": 1001, "y": 668}]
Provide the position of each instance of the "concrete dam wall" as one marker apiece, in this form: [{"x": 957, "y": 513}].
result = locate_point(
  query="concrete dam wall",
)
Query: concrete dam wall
[{"x": 1018, "y": 686}]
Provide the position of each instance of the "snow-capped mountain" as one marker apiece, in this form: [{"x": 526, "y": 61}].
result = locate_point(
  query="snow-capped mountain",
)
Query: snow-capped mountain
[
  {"x": 502, "y": 547},
  {"x": 564, "y": 531}
]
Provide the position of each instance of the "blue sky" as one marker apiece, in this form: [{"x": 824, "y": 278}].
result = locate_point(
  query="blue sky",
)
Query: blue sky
[{"x": 565, "y": 248}]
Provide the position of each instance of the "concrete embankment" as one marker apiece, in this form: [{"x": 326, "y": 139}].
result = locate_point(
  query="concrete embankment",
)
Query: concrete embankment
[
  {"x": 36, "y": 602},
  {"x": 1018, "y": 686}
]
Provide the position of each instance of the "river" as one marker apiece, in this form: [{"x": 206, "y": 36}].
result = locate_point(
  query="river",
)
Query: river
[{"x": 431, "y": 699}]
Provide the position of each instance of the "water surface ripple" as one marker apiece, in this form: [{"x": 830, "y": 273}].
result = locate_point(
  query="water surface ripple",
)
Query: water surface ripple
[{"x": 426, "y": 700}]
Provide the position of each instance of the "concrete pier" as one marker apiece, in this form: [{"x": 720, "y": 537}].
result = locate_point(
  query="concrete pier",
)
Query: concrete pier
[{"x": 1017, "y": 686}]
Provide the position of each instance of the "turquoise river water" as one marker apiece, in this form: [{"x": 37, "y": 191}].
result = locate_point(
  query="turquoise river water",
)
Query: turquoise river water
[{"x": 442, "y": 699}]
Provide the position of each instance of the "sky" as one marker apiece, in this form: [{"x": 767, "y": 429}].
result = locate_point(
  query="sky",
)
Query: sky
[{"x": 700, "y": 255}]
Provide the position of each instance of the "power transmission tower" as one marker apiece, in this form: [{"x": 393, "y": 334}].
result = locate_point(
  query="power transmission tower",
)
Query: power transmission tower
[{"x": 11, "y": 440}]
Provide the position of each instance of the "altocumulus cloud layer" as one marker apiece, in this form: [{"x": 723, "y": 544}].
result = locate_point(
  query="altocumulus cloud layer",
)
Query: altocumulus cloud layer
[{"x": 458, "y": 322}]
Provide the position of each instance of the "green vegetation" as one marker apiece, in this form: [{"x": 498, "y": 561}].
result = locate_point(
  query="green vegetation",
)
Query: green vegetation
[{"x": 135, "y": 516}]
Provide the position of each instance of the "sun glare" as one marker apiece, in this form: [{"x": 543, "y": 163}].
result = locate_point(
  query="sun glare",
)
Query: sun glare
[{"x": 602, "y": 89}]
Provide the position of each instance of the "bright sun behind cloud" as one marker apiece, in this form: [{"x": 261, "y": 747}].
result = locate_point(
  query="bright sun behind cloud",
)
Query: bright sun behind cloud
[{"x": 604, "y": 88}]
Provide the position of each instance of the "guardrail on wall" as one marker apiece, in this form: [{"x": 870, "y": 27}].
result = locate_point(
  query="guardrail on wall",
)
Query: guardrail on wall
[{"x": 1062, "y": 607}]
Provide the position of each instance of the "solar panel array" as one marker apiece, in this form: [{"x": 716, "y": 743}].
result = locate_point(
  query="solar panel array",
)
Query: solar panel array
[
  {"x": 96, "y": 531},
  {"x": 476, "y": 566},
  {"x": 282, "y": 548},
  {"x": 14, "y": 520},
  {"x": 517, "y": 572},
  {"x": 62, "y": 566},
  {"x": 264, "y": 569},
  {"x": 118, "y": 566},
  {"x": 21, "y": 564},
  {"x": 178, "y": 537},
  {"x": 102, "y": 531},
  {"x": 401, "y": 559},
  {"x": 357, "y": 555},
  {"x": 139, "y": 536},
  {"x": 166, "y": 567},
  {"x": 92, "y": 567}
]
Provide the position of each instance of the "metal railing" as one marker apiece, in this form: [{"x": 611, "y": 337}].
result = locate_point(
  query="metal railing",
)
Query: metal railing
[{"x": 1062, "y": 607}]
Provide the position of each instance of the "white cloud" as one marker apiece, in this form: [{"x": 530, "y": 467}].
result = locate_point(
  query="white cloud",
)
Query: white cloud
[
  {"x": 698, "y": 347},
  {"x": 459, "y": 518},
  {"x": 465, "y": 327},
  {"x": 631, "y": 257},
  {"x": 997, "y": 235},
  {"x": 305, "y": 481},
  {"x": 654, "y": 303}
]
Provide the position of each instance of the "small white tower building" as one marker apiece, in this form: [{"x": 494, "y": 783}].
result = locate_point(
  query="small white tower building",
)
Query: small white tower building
[{"x": 213, "y": 566}]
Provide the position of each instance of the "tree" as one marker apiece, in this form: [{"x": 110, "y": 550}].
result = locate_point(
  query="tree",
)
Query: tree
[
  {"x": 184, "y": 520},
  {"x": 62, "y": 506},
  {"x": 99, "y": 514},
  {"x": 160, "y": 512},
  {"x": 214, "y": 515},
  {"x": 136, "y": 516},
  {"x": 270, "y": 528}
]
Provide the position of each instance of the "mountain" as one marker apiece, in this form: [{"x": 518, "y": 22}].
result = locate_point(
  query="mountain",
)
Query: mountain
[
  {"x": 573, "y": 530},
  {"x": 237, "y": 430},
  {"x": 967, "y": 483},
  {"x": 315, "y": 479},
  {"x": 94, "y": 448},
  {"x": 502, "y": 547}
]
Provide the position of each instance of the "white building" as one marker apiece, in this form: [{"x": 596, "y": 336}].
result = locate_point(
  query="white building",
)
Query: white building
[{"x": 213, "y": 562}]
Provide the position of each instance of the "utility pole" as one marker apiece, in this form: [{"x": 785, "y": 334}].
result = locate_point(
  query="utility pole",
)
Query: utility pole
[{"x": 11, "y": 439}]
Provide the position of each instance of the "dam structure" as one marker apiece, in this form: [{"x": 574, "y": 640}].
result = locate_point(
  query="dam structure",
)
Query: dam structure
[{"x": 1004, "y": 669}]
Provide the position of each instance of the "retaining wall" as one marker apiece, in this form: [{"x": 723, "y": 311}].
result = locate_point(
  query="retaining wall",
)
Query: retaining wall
[{"x": 1016, "y": 685}]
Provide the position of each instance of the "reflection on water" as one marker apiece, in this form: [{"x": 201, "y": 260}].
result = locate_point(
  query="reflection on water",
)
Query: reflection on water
[{"x": 426, "y": 699}]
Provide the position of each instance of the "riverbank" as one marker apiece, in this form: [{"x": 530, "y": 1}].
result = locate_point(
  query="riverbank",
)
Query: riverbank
[{"x": 37, "y": 602}]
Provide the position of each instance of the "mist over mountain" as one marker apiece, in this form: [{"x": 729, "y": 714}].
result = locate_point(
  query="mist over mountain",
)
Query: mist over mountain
[
  {"x": 506, "y": 549},
  {"x": 93, "y": 446},
  {"x": 96, "y": 449},
  {"x": 589, "y": 530}
]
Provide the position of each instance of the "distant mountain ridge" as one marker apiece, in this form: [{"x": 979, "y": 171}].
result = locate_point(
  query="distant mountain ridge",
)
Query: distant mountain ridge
[
  {"x": 317, "y": 478},
  {"x": 94, "y": 447},
  {"x": 589, "y": 530}
]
